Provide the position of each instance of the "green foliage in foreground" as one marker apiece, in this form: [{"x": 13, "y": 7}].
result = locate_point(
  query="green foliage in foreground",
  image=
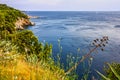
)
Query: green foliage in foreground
[
  {"x": 18, "y": 66},
  {"x": 112, "y": 72}
]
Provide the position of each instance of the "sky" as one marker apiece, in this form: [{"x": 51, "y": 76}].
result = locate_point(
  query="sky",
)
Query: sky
[{"x": 64, "y": 5}]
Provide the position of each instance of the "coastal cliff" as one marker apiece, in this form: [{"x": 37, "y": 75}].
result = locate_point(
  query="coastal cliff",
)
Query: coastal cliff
[
  {"x": 13, "y": 18},
  {"x": 22, "y": 22}
]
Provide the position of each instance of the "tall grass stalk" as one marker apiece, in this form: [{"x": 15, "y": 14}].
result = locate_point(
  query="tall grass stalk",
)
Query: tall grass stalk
[{"x": 98, "y": 43}]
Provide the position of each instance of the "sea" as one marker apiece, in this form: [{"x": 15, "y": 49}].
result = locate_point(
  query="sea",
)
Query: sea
[{"x": 72, "y": 33}]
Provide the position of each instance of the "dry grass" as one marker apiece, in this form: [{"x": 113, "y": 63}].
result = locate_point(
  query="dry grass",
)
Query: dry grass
[{"x": 17, "y": 68}]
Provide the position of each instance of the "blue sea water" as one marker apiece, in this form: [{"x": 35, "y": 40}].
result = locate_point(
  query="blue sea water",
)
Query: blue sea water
[{"x": 77, "y": 30}]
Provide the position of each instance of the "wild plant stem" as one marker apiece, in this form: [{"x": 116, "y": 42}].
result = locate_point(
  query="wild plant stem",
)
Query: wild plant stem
[{"x": 81, "y": 60}]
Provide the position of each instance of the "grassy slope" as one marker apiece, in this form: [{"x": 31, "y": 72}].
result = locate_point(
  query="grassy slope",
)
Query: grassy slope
[
  {"x": 18, "y": 68},
  {"x": 22, "y": 57}
]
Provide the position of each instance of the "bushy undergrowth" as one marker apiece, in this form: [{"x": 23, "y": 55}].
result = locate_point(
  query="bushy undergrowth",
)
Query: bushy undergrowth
[
  {"x": 109, "y": 73},
  {"x": 112, "y": 72},
  {"x": 16, "y": 66}
]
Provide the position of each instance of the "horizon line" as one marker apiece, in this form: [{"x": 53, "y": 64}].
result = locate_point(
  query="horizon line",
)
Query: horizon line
[{"x": 73, "y": 10}]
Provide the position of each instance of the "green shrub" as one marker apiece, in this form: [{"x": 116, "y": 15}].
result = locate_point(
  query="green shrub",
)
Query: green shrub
[
  {"x": 109, "y": 73},
  {"x": 18, "y": 66},
  {"x": 8, "y": 16}
]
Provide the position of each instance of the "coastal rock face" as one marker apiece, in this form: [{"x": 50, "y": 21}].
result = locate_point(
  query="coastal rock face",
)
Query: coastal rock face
[
  {"x": 35, "y": 17},
  {"x": 22, "y": 22}
]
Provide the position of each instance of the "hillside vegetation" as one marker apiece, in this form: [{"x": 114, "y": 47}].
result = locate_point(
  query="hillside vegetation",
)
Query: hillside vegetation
[{"x": 22, "y": 57}]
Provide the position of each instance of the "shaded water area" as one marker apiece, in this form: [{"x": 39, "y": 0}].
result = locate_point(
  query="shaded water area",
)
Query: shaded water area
[{"x": 77, "y": 30}]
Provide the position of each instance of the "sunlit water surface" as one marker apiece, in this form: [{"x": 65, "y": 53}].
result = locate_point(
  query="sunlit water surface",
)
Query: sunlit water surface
[{"x": 77, "y": 30}]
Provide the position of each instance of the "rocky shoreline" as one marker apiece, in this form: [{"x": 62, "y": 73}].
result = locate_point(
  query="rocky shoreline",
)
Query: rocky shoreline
[
  {"x": 22, "y": 22},
  {"x": 35, "y": 17}
]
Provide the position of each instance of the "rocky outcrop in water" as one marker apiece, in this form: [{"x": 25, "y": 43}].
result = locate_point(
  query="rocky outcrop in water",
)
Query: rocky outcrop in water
[{"x": 22, "y": 22}]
